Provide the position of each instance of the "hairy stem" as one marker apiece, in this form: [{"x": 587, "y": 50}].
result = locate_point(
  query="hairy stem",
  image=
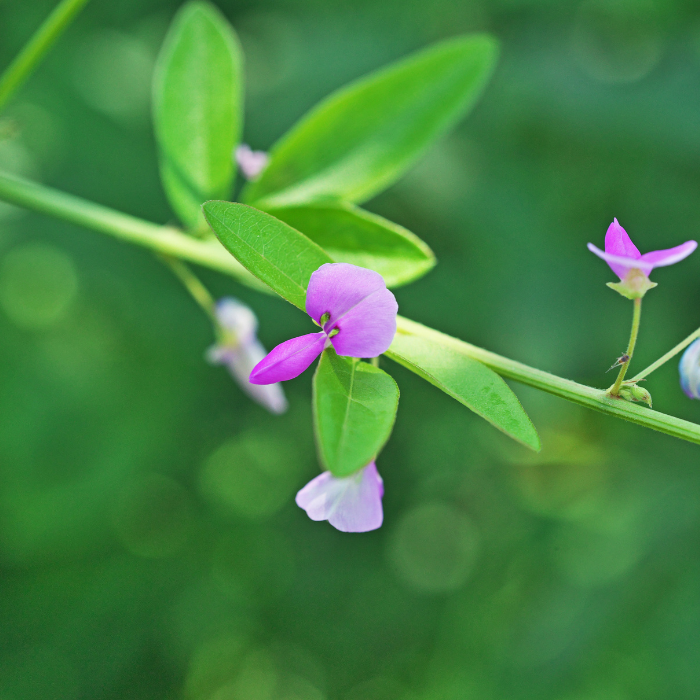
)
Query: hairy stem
[
  {"x": 668, "y": 356},
  {"x": 211, "y": 254},
  {"x": 636, "y": 315},
  {"x": 36, "y": 48}
]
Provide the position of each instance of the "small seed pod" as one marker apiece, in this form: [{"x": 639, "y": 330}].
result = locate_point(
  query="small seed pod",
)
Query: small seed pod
[{"x": 689, "y": 369}]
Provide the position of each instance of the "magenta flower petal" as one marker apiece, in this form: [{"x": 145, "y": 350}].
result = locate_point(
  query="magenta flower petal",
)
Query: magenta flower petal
[
  {"x": 350, "y": 504},
  {"x": 289, "y": 359},
  {"x": 621, "y": 265},
  {"x": 617, "y": 242},
  {"x": 358, "y": 306},
  {"x": 661, "y": 258}
]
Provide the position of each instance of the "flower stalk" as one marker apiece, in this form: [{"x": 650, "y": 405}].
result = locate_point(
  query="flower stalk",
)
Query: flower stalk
[
  {"x": 668, "y": 356},
  {"x": 636, "y": 316}
]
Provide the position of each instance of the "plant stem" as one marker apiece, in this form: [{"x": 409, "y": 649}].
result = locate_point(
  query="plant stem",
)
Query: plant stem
[
  {"x": 36, "y": 48},
  {"x": 171, "y": 242},
  {"x": 668, "y": 356},
  {"x": 193, "y": 285},
  {"x": 636, "y": 315},
  {"x": 163, "y": 239},
  {"x": 587, "y": 396}
]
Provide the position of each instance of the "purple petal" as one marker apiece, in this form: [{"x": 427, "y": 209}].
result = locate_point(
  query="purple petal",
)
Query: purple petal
[
  {"x": 620, "y": 265},
  {"x": 240, "y": 360},
  {"x": 289, "y": 359},
  {"x": 661, "y": 258},
  {"x": 358, "y": 304},
  {"x": 618, "y": 243},
  {"x": 350, "y": 504}
]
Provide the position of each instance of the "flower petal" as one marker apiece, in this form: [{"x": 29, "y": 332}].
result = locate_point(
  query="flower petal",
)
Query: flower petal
[
  {"x": 350, "y": 504},
  {"x": 289, "y": 359},
  {"x": 358, "y": 304},
  {"x": 621, "y": 265},
  {"x": 689, "y": 369},
  {"x": 236, "y": 318},
  {"x": 661, "y": 258},
  {"x": 240, "y": 360},
  {"x": 617, "y": 242}
]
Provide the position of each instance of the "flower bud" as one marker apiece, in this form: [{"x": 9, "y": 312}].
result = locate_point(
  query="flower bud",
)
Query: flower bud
[
  {"x": 689, "y": 369},
  {"x": 634, "y": 392}
]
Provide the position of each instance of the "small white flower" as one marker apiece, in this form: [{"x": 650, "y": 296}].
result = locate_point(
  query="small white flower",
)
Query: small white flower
[{"x": 251, "y": 162}]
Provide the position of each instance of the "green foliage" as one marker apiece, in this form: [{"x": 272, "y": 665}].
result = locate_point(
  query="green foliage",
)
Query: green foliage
[
  {"x": 352, "y": 235},
  {"x": 274, "y": 252},
  {"x": 363, "y": 137},
  {"x": 467, "y": 380},
  {"x": 198, "y": 109},
  {"x": 354, "y": 411}
]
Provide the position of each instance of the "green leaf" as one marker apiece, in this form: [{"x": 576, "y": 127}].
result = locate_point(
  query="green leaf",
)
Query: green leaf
[
  {"x": 350, "y": 234},
  {"x": 273, "y": 251},
  {"x": 354, "y": 411},
  {"x": 467, "y": 380},
  {"x": 361, "y": 138},
  {"x": 198, "y": 106}
]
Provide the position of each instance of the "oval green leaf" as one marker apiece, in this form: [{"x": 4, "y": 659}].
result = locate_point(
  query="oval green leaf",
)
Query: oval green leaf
[
  {"x": 273, "y": 251},
  {"x": 352, "y": 235},
  {"x": 354, "y": 407},
  {"x": 198, "y": 105},
  {"x": 467, "y": 380},
  {"x": 361, "y": 138}
]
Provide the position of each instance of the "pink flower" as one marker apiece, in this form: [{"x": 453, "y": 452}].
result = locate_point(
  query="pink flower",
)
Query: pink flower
[
  {"x": 350, "y": 504},
  {"x": 622, "y": 255},
  {"x": 240, "y": 350},
  {"x": 356, "y": 312},
  {"x": 251, "y": 162}
]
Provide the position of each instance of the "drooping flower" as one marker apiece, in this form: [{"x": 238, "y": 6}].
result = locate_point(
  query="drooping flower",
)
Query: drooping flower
[
  {"x": 630, "y": 265},
  {"x": 251, "y": 162},
  {"x": 350, "y": 504},
  {"x": 689, "y": 369},
  {"x": 240, "y": 350},
  {"x": 356, "y": 312}
]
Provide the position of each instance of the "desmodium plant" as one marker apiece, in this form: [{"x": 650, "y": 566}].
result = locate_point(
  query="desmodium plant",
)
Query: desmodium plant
[{"x": 300, "y": 232}]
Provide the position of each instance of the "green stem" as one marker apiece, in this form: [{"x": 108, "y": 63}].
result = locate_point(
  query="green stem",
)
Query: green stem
[
  {"x": 668, "y": 356},
  {"x": 211, "y": 254},
  {"x": 193, "y": 285},
  {"x": 163, "y": 239},
  {"x": 595, "y": 399},
  {"x": 35, "y": 49},
  {"x": 636, "y": 315}
]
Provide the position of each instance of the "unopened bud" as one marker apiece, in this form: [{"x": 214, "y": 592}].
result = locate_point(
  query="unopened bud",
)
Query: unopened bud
[
  {"x": 634, "y": 392},
  {"x": 689, "y": 369}
]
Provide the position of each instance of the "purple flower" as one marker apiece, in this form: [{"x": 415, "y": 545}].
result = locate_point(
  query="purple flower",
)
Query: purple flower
[
  {"x": 251, "y": 162},
  {"x": 349, "y": 504},
  {"x": 689, "y": 369},
  {"x": 622, "y": 255},
  {"x": 356, "y": 312},
  {"x": 240, "y": 350}
]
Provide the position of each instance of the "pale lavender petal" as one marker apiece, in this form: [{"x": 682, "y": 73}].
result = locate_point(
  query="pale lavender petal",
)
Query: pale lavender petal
[
  {"x": 350, "y": 504},
  {"x": 661, "y": 258},
  {"x": 620, "y": 265},
  {"x": 240, "y": 361},
  {"x": 368, "y": 329},
  {"x": 689, "y": 369},
  {"x": 251, "y": 162},
  {"x": 236, "y": 319},
  {"x": 289, "y": 359}
]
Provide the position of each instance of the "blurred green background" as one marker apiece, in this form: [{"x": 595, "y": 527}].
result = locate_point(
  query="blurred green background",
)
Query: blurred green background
[{"x": 150, "y": 546}]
